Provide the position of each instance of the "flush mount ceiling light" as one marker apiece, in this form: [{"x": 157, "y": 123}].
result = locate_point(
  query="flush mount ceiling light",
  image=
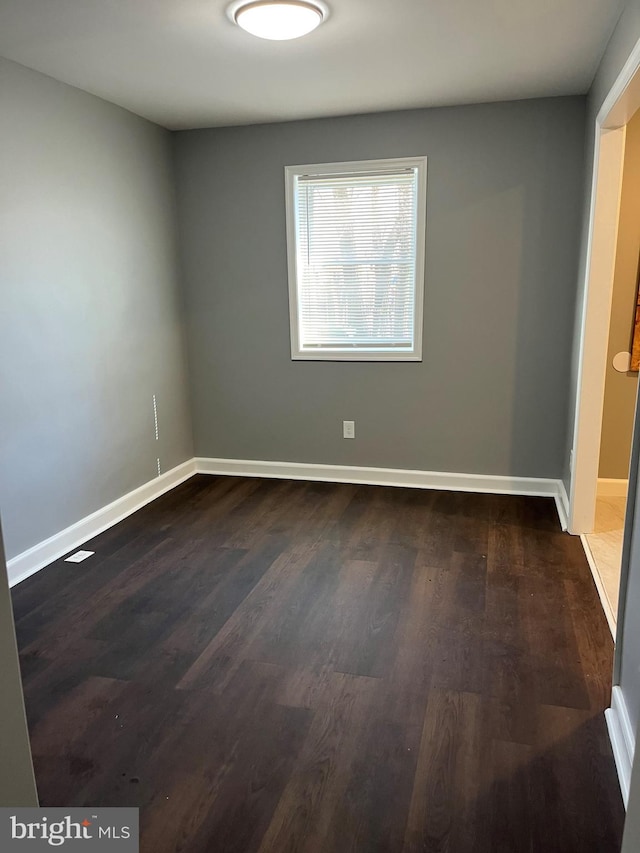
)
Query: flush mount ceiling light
[{"x": 278, "y": 19}]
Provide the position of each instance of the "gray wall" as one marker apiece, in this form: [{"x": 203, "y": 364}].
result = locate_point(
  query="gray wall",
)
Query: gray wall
[
  {"x": 631, "y": 840},
  {"x": 628, "y": 640},
  {"x": 17, "y": 782},
  {"x": 621, "y": 388},
  {"x": 504, "y": 204},
  {"x": 91, "y": 322}
]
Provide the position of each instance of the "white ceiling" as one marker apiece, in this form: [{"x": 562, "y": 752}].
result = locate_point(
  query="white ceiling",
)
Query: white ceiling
[{"x": 183, "y": 64}]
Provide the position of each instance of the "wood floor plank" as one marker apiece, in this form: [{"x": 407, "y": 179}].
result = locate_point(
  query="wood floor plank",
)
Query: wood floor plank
[
  {"x": 227, "y": 785},
  {"x": 372, "y": 811},
  {"x": 231, "y": 643},
  {"x": 264, "y": 666},
  {"x": 371, "y": 628},
  {"x": 448, "y": 775},
  {"x": 284, "y": 635},
  {"x": 321, "y": 775}
]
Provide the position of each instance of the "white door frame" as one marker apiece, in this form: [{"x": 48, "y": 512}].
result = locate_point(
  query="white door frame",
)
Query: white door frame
[{"x": 609, "y": 138}]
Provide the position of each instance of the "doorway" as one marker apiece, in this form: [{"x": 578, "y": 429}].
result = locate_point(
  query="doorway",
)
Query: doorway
[
  {"x": 602, "y": 430},
  {"x": 604, "y": 544}
]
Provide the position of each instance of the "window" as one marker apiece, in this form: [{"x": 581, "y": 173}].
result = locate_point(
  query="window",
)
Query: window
[{"x": 355, "y": 243}]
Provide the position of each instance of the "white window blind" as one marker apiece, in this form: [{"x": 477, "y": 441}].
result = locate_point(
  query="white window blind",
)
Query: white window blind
[{"x": 356, "y": 263}]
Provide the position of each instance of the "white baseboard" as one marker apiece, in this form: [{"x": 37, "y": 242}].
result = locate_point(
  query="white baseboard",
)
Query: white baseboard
[
  {"x": 504, "y": 485},
  {"x": 610, "y": 488},
  {"x": 622, "y": 739},
  {"x": 602, "y": 593},
  {"x": 40, "y": 555},
  {"x": 562, "y": 505}
]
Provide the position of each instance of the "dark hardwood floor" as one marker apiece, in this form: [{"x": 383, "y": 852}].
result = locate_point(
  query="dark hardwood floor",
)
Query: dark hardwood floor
[{"x": 284, "y": 666}]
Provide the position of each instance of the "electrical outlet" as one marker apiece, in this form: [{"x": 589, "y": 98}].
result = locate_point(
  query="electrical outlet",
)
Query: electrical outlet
[{"x": 348, "y": 429}]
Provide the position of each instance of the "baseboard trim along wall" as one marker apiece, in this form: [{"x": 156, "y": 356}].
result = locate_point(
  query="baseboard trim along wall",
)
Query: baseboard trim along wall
[
  {"x": 491, "y": 483},
  {"x": 611, "y": 488},
  {"x": 622, "y": 739},
  {"x": 31, "y": 561},
  {"x": 40, "y": 555},
  {"x": 562, "y": 505}
]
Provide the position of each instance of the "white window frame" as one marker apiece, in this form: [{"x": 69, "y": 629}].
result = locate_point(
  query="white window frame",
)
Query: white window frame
[{"x": 349, "y": 168}]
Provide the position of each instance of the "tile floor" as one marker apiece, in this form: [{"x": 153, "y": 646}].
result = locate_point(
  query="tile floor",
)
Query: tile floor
[{"x": 605, "y": 544}]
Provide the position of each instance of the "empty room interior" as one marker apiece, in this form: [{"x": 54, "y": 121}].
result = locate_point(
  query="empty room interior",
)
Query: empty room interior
[{"x": 318, "y": 466}]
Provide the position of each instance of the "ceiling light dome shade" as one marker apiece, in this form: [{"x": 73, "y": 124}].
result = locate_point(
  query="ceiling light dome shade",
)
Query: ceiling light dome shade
[{"x": 279, "y": 20}]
